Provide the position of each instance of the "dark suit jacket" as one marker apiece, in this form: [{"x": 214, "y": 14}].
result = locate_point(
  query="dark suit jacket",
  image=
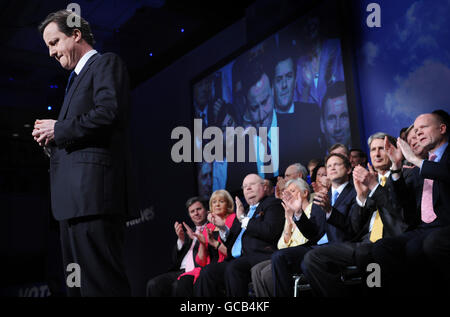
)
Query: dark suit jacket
[
  {"x": 383, "y": 200},
  {"x": 410, "y": 185},
  {"x": 317, "y": 225},
  {"x": 263, "y": 230},
  {"x": 178, "y": 255},
  {"x": 408, "y": 190},
  {"x": 299, "y": 135},
  {"x": 439, "y": 172},
  {"x": 88, "y": 165}
]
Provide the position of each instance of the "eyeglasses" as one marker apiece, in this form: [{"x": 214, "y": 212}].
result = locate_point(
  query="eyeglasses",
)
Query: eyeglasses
[{"x": 250, "y": 185}]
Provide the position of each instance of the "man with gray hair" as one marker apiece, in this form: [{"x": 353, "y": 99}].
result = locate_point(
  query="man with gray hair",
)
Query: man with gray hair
[
  {"x": 293, "y": 171},
  {"x": 262, "y": 272},
  {"x": 376, "y": 214},
  {"x": 335, "y": 202}
]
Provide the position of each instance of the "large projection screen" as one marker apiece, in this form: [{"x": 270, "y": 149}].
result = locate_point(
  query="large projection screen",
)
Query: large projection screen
[{"x": 292, "y": 80}]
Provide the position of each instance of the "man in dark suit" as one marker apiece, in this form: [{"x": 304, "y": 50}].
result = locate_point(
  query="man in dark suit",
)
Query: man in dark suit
[
  {"x": 251, "y": 239},
  {"x": 376, "y": 214},
  {"x": 300, "y": 119},
  {"x": 88, "y": 160},
  {"x": 287, "y": 261},
  {"x": 402, "y": 258},
  {"x": 184, "y": 253}
]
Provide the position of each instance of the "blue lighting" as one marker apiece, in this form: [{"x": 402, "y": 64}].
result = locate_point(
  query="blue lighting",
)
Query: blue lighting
[
  {"x": 151, "y": 54},
  {"x": 49, "y": 108},
  {"x": 182, "y": 30}
]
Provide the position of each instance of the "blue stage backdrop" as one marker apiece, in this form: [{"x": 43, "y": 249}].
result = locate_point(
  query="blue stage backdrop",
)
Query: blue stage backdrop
[{"x": 403, "y": 67}]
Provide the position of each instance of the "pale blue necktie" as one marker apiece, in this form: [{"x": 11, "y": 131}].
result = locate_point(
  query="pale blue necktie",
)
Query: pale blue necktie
[
  {"x": 324, "y": 238},
  {"x": 237, "y": 246}
]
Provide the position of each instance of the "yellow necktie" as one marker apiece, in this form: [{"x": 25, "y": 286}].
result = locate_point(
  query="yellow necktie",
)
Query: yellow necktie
[{"x": 377, "y": 229}]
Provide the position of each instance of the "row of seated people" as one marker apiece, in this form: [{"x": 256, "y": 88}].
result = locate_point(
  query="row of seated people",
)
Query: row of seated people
[{"x": 388, "y": 213}]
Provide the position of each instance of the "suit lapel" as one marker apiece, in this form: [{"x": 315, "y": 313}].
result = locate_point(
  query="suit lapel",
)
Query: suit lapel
[
  {"x": 77, "y": 80},
  {"x": 341, "y": 196},
  {"x": 444, "y": 158}
]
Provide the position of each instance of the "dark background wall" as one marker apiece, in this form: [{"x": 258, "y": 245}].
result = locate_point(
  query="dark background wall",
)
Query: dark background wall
[{"x": 399, "y": 70}]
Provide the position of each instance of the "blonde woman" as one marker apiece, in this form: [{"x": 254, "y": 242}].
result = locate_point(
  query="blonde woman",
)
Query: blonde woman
[{"x": 211, "y": 249}]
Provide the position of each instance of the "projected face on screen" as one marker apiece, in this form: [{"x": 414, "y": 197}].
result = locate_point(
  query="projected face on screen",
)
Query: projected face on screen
[
  {"x": 335, "y": 122},
  {"x": 294, "y": 81},
  {"x": 260, "y": 103},
  {"x": 202, "y": 93},
  {"x": 284, "y": 84}
]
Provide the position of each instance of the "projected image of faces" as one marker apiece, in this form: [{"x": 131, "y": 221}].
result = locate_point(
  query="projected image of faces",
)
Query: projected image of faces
[
  {"x": 335, "y": 122},
  {"x": 284, "y": 84},
  {"x": 293, "y": 81}
]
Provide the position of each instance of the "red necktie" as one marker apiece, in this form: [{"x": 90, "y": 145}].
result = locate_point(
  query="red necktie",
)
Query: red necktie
[{"x": 428, "y": 214}]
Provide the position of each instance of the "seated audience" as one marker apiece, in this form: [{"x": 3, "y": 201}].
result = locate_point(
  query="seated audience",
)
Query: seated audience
[
  {"x": 311, "y": 165},
  {"x": 293, "y": 171},
  {"x": 377, "y": 214},
  {"x": 291, "y": 237},
  {"x": 211, "y": 248},
  {"x": 184, "y": 252},
  {"x": 251, "y": 239},
  {"x": 403, "y": 256},
  {"x": 358, "y": 157},
  {"x": 288, "y": 261}
]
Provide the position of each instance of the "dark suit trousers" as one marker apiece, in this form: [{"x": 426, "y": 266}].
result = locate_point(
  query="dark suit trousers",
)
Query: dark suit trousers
[
  {"x": 95, "y": 243},
  {"x": 437, "y": 251},
  {"x": 285, "y": 263},
  {"x": 402, "y": 261},
  {"x": 323, "y": 266},
  {"x": 234, "y": 275},
  {"x": 163, "y": 285}
]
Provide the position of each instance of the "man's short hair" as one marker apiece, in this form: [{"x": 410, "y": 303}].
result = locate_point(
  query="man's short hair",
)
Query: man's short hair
[
  {"x": 361, "y": 153},
  {"x": 347, "y": 163},
  {"x": 335, "y": 90},
  {"x": 339, "y": 145},
  {"x": 381, "y": 135},
  {"x": 193, "y": 200},
  {"x": 60, "y": 18},
  {"x": 408, "y": 130},
  {"x": 301, "y": 169},
  {"x": 444, "y": 118}
]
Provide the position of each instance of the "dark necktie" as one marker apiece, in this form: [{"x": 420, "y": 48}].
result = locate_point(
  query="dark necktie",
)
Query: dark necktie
[{"x": 71, "y": 79}]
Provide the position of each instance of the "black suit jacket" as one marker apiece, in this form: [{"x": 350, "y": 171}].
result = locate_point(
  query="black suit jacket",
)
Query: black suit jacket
[
  {"x": 408, "y": 190},
  {"x": 317, "y": 225},
  {"x": 391, "y": 212},
  {"x": 410, "y": 185},
  {"x": 178, "y": 255},
  {"x": 263, "y": 230},
  {"x": 299, "y": 135},
  {"x": 88, "y": 165},
  {"x": 439, "y": 172}
]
